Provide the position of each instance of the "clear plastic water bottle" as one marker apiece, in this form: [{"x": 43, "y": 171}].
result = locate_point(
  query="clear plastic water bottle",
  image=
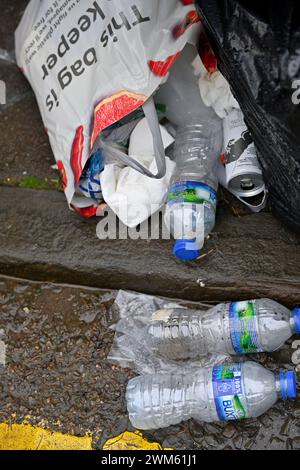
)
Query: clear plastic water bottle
[
  {"x": 192, "y": 196},
  {"x": 230, "y": 328},
  {"x": 222, "y": 393}
]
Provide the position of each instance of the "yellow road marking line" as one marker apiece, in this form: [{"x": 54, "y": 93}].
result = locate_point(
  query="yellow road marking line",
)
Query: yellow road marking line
[
  {"x": 131, "y": 441},
  {"x": 27, "y": 437}
]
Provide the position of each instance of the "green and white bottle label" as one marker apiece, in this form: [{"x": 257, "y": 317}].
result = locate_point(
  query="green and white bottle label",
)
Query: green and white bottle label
[
  {"x": 193, "y": 192},
  {"x": 244, "y": 327},
  {"x": 229, "y": 393}
]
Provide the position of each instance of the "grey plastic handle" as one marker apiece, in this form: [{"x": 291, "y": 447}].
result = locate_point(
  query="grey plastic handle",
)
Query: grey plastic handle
[{"x": 159, "y": 151}]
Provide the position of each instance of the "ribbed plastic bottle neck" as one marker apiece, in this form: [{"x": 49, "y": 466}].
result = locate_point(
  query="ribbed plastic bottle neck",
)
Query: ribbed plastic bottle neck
[
  {"x": 292, "y": 323},
  {"x": 295, "y": 321},
  {"x": 195, "y": 132},
  {"x": 285, "y": 382}
]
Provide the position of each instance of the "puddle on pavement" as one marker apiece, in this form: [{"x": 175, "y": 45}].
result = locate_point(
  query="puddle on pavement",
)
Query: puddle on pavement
[{"x": 56, "y": 375}]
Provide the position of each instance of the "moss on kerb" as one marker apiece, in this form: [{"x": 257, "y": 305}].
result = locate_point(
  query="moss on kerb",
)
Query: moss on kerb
[{"x": 33, "y": 182}]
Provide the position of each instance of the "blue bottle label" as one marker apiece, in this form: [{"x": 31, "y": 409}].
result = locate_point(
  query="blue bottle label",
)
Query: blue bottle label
[
  {"x": 192, "y": 191},
  {"x": 229, "y": 392},
  {"x": 244, "y": 327},
  {"x": 89, "y": 183}
]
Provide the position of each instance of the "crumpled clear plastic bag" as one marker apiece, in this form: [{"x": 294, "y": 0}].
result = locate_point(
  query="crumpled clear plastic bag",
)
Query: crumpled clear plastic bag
[{"x": 130, "y": 350}]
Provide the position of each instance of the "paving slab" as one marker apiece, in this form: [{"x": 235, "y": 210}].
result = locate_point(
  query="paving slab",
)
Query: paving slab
[
  {"x": 25, "y": 148},
  {"x": 11, "y": 14},
  {"x": 17, "y": 87},
  {"x": 249, "y": 256}
]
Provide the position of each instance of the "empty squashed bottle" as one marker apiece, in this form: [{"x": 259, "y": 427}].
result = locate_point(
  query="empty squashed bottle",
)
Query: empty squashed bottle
[
  {"x": 192, "y": 196},
  {"x": 222, "y": 393},
  {"x": 230, "y": 328}
]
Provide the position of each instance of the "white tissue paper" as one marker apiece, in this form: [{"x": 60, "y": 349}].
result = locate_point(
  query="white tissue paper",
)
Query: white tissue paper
[
  {"x": 132, "y": 196},
  {"x": 214, "y": 89}
]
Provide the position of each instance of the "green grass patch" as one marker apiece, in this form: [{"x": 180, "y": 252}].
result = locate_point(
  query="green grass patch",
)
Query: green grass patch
[{"x": 33, "y": 182}]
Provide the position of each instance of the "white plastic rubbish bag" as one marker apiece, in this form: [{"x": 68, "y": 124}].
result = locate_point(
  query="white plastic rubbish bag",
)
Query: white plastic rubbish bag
[
  {"x": 132, "y": 196},
  {"x": 92, "y": 62}
]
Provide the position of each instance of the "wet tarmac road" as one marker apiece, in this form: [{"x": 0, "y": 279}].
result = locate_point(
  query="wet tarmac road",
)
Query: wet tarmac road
[{"x": 56, "y": 374}]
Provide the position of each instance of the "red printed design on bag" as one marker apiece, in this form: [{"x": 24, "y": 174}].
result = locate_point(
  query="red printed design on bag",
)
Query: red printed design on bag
[
  {"x": 76, "y": 154},
  {"x": 63, "y": 174},
  {"x": 187, "y": 2},
  {"x": 114, "y": 108},
  {"x": 223, "y": 159},
  {"x": 161, "y": 68},
  {"x": 191, "y": 18},
  {"x": 207, "y": 54},
  {"x": 87, "y": 212}
]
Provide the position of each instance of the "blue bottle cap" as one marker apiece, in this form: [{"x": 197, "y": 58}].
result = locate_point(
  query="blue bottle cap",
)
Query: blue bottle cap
[
  {"x": 186, "y": 249},
  {"x": 288, "y": 384},
  {"x": 296, "y": 313}
]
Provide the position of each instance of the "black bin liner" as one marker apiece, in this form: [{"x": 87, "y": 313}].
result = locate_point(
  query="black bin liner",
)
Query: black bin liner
[{"x": 258, "y": 51}]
